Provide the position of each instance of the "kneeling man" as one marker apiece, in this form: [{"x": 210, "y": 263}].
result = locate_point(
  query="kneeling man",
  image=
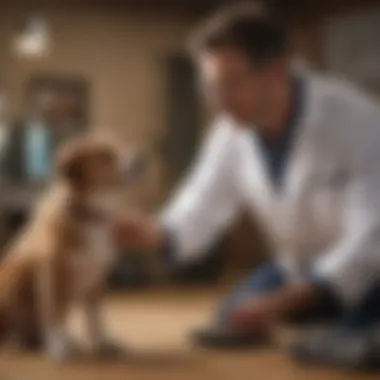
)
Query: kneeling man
[{"x": 301, "y": 151}]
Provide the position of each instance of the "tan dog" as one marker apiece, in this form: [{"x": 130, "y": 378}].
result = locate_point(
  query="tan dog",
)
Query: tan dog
[{"x": 65, "y": 251}]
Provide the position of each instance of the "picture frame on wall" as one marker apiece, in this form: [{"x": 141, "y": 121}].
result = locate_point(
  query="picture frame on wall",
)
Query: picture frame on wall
[
  {"x": 60, "y": 99},
  {"x": 55, "y": 109}
]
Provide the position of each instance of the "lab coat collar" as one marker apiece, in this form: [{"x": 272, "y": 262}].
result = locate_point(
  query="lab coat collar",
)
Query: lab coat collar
[{"x": 301, "y": 158}]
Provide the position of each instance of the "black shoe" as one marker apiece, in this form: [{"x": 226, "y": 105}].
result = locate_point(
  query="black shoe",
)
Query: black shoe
[
  {"x": 351, "y": 352},
  {"x": 218, "y": 338}
]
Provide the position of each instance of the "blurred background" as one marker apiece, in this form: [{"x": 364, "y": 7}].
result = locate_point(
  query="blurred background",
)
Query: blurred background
[{"x": 69, "y": 66}]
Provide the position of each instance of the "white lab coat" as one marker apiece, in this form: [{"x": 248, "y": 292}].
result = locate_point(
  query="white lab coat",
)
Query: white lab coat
[{"x": 326, "y": 216}]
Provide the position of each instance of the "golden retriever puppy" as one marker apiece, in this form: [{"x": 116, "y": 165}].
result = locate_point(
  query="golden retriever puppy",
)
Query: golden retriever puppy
[{"x": 65, "y": 251}]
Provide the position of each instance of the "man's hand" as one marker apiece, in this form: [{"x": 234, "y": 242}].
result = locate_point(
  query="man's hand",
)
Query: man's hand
[
  {"x": 260, "y": 313},
  {"x": 140, "y": 232},
  {"x": 256, "y": 316}
]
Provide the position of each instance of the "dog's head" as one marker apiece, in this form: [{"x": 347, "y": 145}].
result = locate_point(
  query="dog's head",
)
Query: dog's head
[{"x": 94, "y": 164}]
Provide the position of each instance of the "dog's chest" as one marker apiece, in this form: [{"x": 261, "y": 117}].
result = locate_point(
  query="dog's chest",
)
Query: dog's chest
[{"x": 92, "y": 261}]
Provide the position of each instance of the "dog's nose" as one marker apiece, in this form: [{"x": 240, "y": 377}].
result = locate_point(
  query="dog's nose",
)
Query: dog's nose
[{"x": 135, "y": 166}]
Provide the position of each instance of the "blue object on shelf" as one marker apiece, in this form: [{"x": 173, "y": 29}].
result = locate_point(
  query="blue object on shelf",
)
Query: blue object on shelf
[{"x": 38, "y": 152}]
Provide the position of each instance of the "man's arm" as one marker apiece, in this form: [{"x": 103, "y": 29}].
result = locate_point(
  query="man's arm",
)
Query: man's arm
[
  {"x": 341, "y": 276},
  {"x": 352, "y": 265},
  {"x": 346, "y": 271},
  {"x": 207, "y": 200},
  {"x": 201, "y": 208}
]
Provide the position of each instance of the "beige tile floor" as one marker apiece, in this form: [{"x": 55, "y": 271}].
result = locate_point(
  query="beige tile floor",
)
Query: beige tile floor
[{"x": 153, "y": 325}]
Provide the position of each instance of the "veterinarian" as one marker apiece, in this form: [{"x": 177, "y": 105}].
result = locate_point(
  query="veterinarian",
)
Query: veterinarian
[{"x": 301, "y": 151}]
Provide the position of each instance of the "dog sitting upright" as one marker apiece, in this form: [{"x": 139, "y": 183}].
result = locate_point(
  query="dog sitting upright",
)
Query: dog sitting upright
[{"x": 65, "y": 251}]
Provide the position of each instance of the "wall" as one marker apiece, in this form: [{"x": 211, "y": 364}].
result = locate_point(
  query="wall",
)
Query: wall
[{"x": 121, "y": 55}]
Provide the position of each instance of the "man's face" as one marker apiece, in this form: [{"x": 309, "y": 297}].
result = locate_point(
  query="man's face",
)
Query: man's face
[{"x": 232, "y": 84}]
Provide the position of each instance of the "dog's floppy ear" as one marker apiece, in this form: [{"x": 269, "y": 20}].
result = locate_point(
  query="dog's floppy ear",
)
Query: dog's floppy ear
[{"x": 69, "y": 163}]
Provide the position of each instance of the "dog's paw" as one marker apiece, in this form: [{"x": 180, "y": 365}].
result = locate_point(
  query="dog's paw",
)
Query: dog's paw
[{"x": 61, "y": 349}]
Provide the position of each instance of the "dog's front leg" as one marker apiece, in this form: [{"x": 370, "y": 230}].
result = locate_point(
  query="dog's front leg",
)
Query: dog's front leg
[
  {"x": 51, "y": 295},
  {"x": 99, "y": 343}
]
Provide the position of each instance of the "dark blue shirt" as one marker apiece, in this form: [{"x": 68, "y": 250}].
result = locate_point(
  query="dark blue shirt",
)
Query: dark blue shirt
[{"x": 277, "y": 151}]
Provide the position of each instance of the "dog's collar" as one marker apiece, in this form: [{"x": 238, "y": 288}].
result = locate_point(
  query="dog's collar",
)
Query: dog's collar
[{"x": 85, "y": 213}]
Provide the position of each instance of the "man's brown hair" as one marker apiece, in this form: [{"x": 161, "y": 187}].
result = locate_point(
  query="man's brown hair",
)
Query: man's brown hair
[{"x": 248, "y": 27}]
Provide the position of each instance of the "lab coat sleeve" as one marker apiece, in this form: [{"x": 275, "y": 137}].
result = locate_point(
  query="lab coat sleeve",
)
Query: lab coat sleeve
[
  {"x": 207, "y": 201},
  {"x": 352, "y": 265}
]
